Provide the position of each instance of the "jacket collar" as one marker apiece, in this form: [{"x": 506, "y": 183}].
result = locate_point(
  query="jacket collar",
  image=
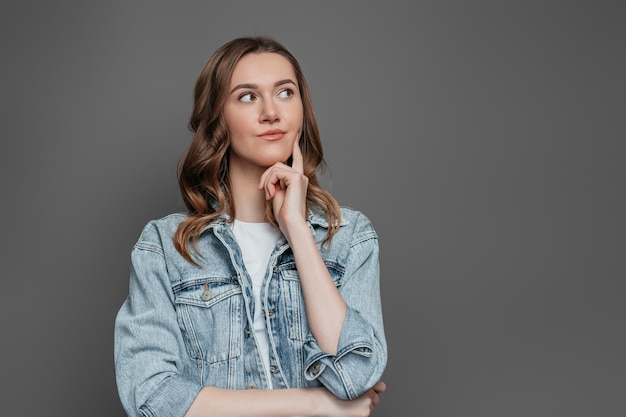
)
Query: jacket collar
[{"x": 318, "y": 218}]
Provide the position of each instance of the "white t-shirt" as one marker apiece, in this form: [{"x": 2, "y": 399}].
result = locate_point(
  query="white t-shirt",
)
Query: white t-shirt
[{"x": 257, "y": 241}]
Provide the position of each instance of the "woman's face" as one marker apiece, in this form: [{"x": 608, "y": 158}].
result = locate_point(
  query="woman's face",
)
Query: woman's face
[{"x": 263, "y": 111}]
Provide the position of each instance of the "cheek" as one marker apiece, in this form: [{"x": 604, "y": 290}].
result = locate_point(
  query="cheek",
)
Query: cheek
[
  {"x": 237, "y": 122},
  {"x": 297, "y": 114},
  {"x": 234, "y": 131}
]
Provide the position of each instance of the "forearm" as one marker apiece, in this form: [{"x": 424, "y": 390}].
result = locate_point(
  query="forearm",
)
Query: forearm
[
  {"x": 362, "y": 352},
  {"x": 294, "y": 402},
  {"x": 325, "y": 308}
]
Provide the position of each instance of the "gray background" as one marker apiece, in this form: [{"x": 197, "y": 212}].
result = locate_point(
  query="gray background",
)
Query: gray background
[{"x": 484, "y": 141}]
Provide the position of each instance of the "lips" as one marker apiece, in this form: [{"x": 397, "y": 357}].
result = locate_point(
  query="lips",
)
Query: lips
[{"x": 273, "y": 134}]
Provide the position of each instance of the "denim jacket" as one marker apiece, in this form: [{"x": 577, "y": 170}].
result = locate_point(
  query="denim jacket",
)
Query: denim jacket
[{"x": 183, "y": 327}]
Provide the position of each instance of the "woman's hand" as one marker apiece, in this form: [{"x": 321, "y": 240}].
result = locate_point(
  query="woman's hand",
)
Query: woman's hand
[
  {"x": 287, "y": 187},
  {"x": 358, "y": 407}
]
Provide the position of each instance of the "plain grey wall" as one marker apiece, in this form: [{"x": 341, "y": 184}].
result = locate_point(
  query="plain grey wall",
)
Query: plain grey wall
[{"x": 485, "y": 140}]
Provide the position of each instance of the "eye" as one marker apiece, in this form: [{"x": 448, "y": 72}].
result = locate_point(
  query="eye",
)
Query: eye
[
  {"x": 247, "y": 97},
  {"x": 286, "y": 93}
]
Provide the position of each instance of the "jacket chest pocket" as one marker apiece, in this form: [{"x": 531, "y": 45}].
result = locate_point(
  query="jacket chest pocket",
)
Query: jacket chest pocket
[{"x": 210, "y": 319}]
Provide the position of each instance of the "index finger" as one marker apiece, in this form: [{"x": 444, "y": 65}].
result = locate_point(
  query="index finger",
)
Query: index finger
[{"x": 297, "y": 162}]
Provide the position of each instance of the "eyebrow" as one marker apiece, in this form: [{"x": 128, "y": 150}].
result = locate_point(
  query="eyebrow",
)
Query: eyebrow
[{"x": 255, "y": 86}]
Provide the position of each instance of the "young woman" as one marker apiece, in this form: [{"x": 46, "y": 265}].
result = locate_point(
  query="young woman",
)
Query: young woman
[{"x": 264, "y": 299}]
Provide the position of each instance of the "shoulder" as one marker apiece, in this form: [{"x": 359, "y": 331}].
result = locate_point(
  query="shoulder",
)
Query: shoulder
[
  {"x": 352, "y": 216},
  {"x": 359, "y": 224},
  {"x": 161, "y": 230}
]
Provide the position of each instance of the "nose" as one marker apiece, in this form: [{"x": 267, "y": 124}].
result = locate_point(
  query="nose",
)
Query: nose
[{"x": 269, "y": 112}]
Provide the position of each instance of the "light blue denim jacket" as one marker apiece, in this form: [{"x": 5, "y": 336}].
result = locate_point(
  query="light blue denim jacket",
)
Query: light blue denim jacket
[{"x": 183, "y": 327}]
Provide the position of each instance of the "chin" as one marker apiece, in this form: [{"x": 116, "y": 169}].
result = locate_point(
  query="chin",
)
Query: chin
[{"x": 270, "y": 160}]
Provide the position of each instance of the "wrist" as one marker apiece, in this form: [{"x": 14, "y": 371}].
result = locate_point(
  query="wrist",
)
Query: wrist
[{"x": 296, "y": 228}]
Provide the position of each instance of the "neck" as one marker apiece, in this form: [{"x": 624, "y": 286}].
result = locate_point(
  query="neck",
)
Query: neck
[{"x": 248, "y": 199}]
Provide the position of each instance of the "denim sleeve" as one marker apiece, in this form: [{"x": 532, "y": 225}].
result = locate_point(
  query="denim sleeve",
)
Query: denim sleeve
[
  {"x": 362, "y": 350},
  {"x": 148, "y": 346}
]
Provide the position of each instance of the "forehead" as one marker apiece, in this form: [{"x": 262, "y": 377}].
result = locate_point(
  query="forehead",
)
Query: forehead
[{"x": 262, "y": 68}]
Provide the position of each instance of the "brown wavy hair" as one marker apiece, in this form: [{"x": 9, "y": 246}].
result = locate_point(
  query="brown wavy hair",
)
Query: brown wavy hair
[{"x": 203, "y": 170}]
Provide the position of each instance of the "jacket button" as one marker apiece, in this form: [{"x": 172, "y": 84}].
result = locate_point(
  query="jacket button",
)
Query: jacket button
[
  {"x": 251, "y": 385},
  {"x": 270, "y": 313},
  {"x": 273, "y": 369},
  {"x": 246, "y": 332},
  {"x": 206, "y": 294},
  {"x": 316, "y": 369}
]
